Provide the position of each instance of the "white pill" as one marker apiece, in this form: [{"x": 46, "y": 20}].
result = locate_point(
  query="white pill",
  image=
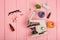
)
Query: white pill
[{"x": 46, "y": 7}]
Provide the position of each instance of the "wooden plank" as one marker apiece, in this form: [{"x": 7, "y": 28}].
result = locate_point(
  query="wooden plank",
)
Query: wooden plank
[
  {"x": 52, "y": 31},
  {"x": 21, "y": 24},
  {"x": 1, "y": 19},
  {"x": 58, "y": 19},
  {"x": 10, "y": 5}
]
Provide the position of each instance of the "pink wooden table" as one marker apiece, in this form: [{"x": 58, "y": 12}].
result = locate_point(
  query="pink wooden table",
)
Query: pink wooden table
[{"x": 21, "y": 31}]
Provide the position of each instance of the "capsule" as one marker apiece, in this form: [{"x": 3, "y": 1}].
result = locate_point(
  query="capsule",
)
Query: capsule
[
  {"x": 11, "y": 27},
  {"x": 46, "y": 6},
  {"x": 49, "y": 15}
]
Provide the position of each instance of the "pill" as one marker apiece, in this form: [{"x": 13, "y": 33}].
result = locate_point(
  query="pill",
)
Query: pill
[
  {"x": 46, "y": 6},
  {"x": 11, "y": 27},
  {"x": 50, "y": 24},
  {"x": 41, "y": 14},
  {"x": 49, "y": 15},
  {"x": 38, "y": 6}
]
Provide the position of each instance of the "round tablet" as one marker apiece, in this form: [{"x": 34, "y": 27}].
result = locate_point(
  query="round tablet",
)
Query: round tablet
[
  {"x": 38, "y": 6},
  {"x": 50, "y": 24},
  {"x": 41, "y": 14}
]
